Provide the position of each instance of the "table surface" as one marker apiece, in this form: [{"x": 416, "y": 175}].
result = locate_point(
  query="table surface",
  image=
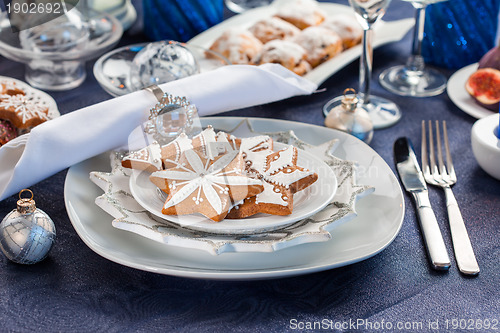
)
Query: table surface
[{"x": 75, "y": 289}]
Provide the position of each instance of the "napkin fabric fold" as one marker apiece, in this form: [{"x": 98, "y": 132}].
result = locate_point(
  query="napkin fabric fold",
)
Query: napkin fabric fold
[{"x": 81, "y": 134}]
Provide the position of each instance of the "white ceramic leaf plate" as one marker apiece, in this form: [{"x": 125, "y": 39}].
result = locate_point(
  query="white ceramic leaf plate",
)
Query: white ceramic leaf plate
[
  {"x": 305, "y": 203},
  {"x": 384, "y": 33},
  {"x": 374, "y": 223},
  {"x": 460, "y": 97},
  {"x": 35, "y": 95}
]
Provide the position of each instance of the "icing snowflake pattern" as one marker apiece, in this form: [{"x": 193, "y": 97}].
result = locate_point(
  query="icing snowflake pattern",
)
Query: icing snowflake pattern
[
  {"x": 190, "y": 179},
  {"x": 23, "y": 107},
  {"x": 11, "y": 88}
]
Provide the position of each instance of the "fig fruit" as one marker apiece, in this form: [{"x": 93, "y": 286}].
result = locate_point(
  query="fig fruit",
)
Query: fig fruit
[
  {"x": 484, "y": 86},
  {"x": 491, "y": 59}
]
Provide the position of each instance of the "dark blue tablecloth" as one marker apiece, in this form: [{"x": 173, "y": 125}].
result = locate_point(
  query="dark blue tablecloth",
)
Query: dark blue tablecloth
[{"x": 76, "y": 290}]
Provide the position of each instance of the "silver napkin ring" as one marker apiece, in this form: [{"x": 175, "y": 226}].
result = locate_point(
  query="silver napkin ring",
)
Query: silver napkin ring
[
  {"x": 155, "y": 90},
  {"x": 170, "y": 117}
]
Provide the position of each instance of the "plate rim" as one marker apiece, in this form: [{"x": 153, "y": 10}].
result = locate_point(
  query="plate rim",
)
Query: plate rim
[
  {"x": 226, "y": 274},
  {"x": 460, "y": 97}
]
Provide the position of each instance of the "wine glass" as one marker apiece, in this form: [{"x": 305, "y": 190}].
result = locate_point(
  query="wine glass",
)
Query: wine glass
[
  {"x": 383, "y": 112},
  {"x": 413, "y": 78}
]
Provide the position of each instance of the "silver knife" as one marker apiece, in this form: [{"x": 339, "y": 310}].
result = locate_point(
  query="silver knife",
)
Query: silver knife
[{"x": 413, "y": 181}]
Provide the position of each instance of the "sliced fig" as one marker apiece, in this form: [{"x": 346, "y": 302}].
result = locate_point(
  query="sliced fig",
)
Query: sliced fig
[
  {"x": 484, "y": 86},
  {"x": 491, "y": 59}
]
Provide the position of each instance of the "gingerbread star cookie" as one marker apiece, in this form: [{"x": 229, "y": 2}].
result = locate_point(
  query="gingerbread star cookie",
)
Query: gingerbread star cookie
[
  {"x": 281, "y": 179},
  {"x": 147, "y": 158},
  {"x": 208, "y": 143},
  {"x": 198, "y": 184},
  {"x": 21, "y": 111},
  {"x": 154, "y": 158}
]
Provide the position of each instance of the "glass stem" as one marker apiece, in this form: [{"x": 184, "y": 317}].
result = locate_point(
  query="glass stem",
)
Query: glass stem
[
  {"x": 365, "y": 66},
  {"x": 416, "y": 61}
]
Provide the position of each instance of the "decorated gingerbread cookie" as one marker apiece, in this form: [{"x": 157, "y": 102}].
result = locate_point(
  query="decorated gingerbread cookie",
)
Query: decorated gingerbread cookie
[
  {"x": 147, "y": 158},
  {"x": 281, "y": 178},
  {"x": 207, "y": 186},
  {"x": 208, "y": 143},
  {"x": 21, "y": 111}
]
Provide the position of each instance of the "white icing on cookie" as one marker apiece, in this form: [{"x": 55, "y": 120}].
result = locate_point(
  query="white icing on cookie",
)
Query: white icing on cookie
[
  {"x": 23, "y": 107},
  {"x": 269, "y": 195},
  {"x": 280, "y": 51},
  {"x": 304, "y": 10},
  {"x": 282, "y": 160},
  {"x": 286, "y": 179},
  {"x": 210, "y": 178},
  {"x": 346, "y": 26},
  {"x": 315, "y": 39},
  {"x": 150, "y": 154}
]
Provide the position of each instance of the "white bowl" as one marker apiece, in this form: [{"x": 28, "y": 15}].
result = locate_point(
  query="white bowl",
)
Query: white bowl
[{"x": 486, "y": 145}]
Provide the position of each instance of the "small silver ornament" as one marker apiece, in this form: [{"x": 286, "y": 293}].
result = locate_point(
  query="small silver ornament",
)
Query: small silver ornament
[
  {"x": 27, "y": 233},
  {"x": 350, "y": 118}
]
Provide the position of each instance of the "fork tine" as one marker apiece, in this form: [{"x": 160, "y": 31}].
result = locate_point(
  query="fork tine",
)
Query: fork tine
[
  {"x": 432, "y": 157},
  {"x": 449, "y": 161},
  {"x": 442, "y": 169},
  {"x": 425, "y": 163}
]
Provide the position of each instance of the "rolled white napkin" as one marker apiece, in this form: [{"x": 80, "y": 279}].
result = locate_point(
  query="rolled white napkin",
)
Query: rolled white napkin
[{"x": 79, "y": 135}]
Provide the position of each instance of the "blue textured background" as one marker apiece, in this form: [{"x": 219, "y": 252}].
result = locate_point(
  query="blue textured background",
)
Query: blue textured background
[{"x": 76, "y": 290}]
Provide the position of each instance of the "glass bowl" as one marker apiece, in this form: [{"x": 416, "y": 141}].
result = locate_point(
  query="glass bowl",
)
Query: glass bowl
[
  {"x": 112, "y": 70},
  {"x": 53, "y": 68}
]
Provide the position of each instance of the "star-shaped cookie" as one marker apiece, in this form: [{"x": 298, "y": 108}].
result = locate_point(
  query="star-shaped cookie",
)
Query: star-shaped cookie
[
  {"x": 21, "y": 111},
  {"x": 208, "y": 143},
  {"x": 281, "y": 179},
  {"x": 198, "y": 184}
]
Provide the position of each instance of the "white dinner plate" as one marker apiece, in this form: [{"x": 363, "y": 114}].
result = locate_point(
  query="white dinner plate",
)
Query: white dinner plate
[
  {"x": 384, "y": 33},
  {"x": 305, "y": 203},
  {"x": 460, "y": 97},
  {"x": 378, "y": 221}
]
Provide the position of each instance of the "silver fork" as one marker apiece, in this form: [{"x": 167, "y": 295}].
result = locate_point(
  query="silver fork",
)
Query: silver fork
[{"x": 444, "y": 177}]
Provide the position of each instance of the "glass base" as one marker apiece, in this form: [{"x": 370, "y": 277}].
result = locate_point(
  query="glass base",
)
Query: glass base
[
  {"x": 47, "y": 75},
  {"x": 402, "y": 81},
  {"x": 383, "y": 112}
]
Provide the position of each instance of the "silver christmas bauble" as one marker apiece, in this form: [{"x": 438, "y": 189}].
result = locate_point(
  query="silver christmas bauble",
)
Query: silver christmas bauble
[{"x": 27, "y": 233}]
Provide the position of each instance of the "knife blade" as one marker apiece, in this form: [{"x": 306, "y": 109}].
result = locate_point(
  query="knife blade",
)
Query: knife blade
[{"x": 413, "y": 181}]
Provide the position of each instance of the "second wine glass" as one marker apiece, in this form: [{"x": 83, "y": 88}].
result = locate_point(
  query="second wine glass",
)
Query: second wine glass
[
  {"x": 383, "y": 112},
  {"x": 414, "y": 79}
]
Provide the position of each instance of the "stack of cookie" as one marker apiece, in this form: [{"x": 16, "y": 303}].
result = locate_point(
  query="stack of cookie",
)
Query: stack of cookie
[
  {"x": 18, "y": 113},
  {"x": 299, "y": 36},
  {"x": 221, "y": 176}
]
